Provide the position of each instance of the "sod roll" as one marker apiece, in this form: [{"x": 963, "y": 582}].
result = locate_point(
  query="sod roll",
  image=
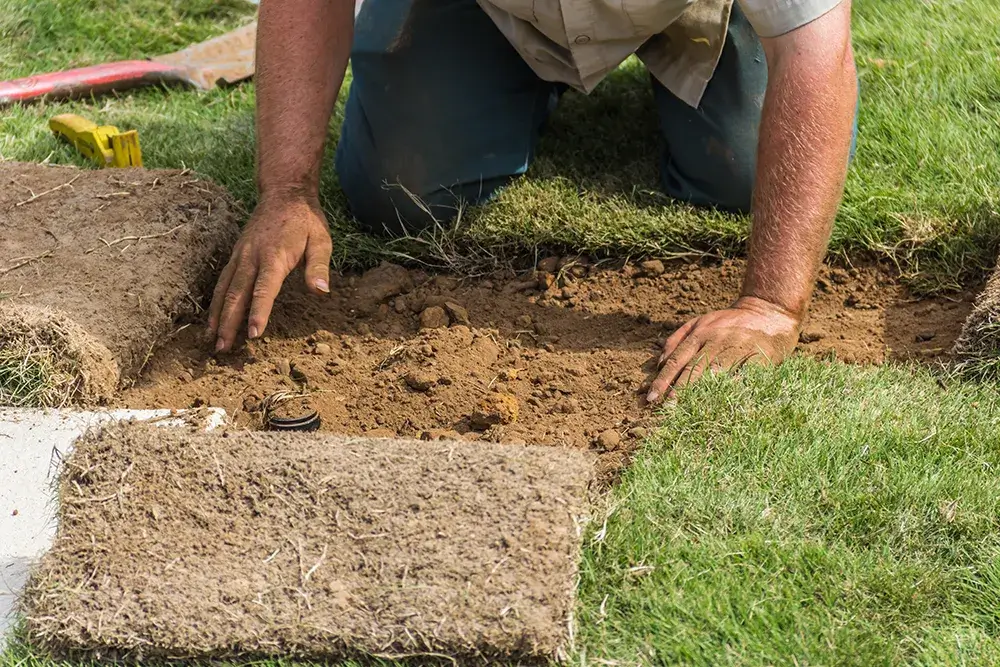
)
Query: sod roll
[
  {"x": 119, "y": 254},
  {"x": 47, "y": 359}
]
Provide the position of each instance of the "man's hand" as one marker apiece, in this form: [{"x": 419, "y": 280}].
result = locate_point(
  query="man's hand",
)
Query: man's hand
[
  {"x": 802, "y": 156},
  {"x": 301, "y": 56},
  {"x": 752, "y": 329},
  {"x": 281, "y": 234}
]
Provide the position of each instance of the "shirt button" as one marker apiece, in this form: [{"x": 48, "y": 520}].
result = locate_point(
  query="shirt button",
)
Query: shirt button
[{"x": 581, "y": 40}]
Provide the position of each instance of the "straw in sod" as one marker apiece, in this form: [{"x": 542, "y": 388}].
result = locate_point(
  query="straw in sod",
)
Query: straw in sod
[
  {"x": 173, "y": 544},
  {"x": 978, "y": 348}
]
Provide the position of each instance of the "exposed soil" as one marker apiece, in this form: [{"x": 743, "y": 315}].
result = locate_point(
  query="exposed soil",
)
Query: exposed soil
[
  {"x": 554, "y": 357},
  {"x": 175, "y": 544},
  {"x": 122, "y": 253}
]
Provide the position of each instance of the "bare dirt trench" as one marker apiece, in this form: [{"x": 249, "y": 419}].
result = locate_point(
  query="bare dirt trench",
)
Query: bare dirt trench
[{"x": 554, "y": 357}]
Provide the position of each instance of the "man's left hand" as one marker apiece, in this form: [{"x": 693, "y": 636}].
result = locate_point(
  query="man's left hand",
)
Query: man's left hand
[{"x": 751, "y": 330}]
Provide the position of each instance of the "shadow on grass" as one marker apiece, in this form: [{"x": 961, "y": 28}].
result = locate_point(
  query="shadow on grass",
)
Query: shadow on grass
[{"x": 608, "y": 142}]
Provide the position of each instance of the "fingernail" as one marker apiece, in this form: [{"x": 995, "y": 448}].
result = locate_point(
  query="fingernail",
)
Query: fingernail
[
  {"x": 252, "y": 331},
  {"x": 219, "y": 344},
  {"x": 322, "y": 285},
  {"x": 651, "y": 396}
]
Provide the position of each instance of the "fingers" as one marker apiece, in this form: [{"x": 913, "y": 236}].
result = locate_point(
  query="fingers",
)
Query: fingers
[
  {"x": 218, "y": 296},
  {"x": 675, "y": 339},
  {"x": 736, "y": 358},
  {"x": 673, "y": 365},
  {"x": 721, "y": 341},
  {"x": 270, "y": 278},
  {"x": 234, "y": 303},
  {"x": 719, "y": 356},
  {"x": 317, "y": 273},
  {"x": 707, "y": 359}
]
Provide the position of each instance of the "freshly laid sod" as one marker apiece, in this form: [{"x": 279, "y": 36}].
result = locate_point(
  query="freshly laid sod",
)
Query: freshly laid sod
[{"x": 817, "y": 514}]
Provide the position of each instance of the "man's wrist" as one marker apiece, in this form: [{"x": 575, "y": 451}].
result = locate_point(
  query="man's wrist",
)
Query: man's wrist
[
  {"x": 288, "y": 193},
  {"x": 767, "y": 307}
]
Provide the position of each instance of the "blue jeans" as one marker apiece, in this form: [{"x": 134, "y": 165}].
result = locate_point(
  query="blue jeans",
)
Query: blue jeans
[{"x": 442, "y": 109}]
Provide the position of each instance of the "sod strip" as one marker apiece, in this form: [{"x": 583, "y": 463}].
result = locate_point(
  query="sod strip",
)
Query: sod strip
[
  {"x": 978, "y": 348},
  {"x": 288, "y": 544},
  {"x": 34, "y": 443}
]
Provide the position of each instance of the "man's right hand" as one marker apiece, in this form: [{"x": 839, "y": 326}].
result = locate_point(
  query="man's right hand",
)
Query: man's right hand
[{"x": 283, "y": 233}]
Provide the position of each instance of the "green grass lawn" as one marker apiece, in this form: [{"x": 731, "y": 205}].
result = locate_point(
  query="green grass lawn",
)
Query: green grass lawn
[{"x": 815, "y": 515}]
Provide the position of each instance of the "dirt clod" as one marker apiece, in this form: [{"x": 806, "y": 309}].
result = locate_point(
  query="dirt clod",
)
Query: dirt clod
[
  {"x": 548, "y": 264},
  {"x": 495, "y": 409},
  {"x": 457, "y": 313},
  {"x": 379, "y": 284},
  {"x": 567, "y": 406},
  {"x": 652, "y": 267},
  {"x": 609, "y": 440},
  {"x": 811, "y": 336},
  {"x": 434, "y": 317},
  {"x": 419, "y": 380},
  {"x": 322, "y": 349},
  {"x": 283, "y": 367}
]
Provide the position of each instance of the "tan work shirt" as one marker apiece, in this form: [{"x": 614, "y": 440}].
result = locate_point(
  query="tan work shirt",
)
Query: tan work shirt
[{"x": 578, "y": 42}]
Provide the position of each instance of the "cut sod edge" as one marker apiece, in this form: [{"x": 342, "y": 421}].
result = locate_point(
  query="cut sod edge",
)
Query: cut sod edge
[{"x": 978, "y": 348}]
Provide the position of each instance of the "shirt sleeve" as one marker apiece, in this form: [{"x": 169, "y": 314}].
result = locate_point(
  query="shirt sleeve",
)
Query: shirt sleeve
[{"x": 771, "y": 18}]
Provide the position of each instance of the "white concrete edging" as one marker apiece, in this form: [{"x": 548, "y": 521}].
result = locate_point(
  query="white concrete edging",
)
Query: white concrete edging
[{"x": 33, "y": 444}]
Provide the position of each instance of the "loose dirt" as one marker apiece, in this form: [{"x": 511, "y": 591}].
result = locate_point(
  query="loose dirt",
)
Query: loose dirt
[
  {"x": 174, "y": 544},
  {"x": 549, "y": 357},
  {"x": 121, "y": 253}
]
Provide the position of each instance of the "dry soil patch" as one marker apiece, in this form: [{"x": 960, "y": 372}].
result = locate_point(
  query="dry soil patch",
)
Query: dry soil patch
[{"x": 550, "y": 358}]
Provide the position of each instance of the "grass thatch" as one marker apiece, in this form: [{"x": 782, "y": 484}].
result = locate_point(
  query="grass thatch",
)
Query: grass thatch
[{"x": 47, "y": 360}]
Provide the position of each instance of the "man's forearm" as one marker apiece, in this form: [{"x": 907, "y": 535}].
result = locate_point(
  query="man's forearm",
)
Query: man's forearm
[
  {"x": 302, "y": 52},
  {"x": 802, "y": 159}
]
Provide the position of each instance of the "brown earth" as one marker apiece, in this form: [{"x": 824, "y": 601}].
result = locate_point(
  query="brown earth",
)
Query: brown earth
[
  {"x": 549, "y": 358},
  {"x": 122, "y": 253},
  {"x": 175, "y": 544}
]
